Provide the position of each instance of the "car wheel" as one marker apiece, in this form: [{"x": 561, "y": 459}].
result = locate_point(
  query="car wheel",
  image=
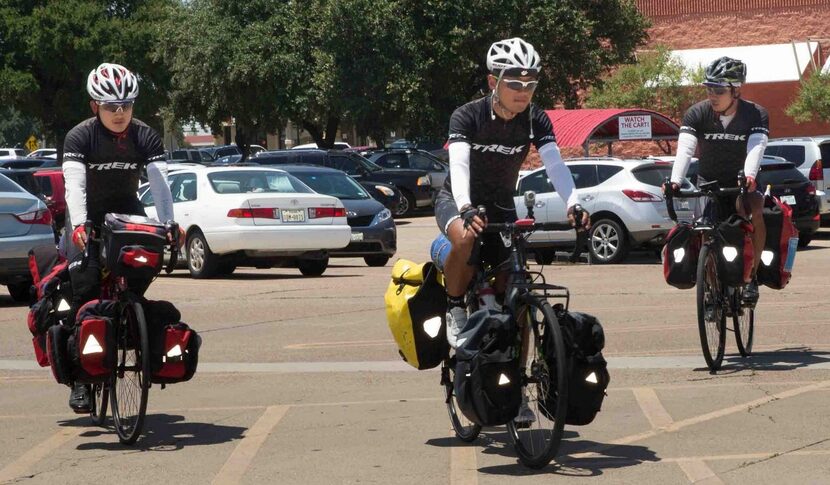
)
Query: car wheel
[
  {"x": 544, "y": 256},
  {"x": 201, "y": 261},
  {"x": 19, "y": 291},
  {"x": 804, "y": 239},
  {"x": 406, "y": 204},
  {"x": 376, "y": 260},
  {"x": 607, "y": 242},
  {"x": 312, "y": 267}
]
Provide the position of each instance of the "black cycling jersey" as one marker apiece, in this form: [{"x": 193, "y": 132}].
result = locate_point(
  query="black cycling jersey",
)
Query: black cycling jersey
[
  {"x": 498, "y": 148},
  {"x": 113, "y": 164},
  {"x": 723, "y": 151}
]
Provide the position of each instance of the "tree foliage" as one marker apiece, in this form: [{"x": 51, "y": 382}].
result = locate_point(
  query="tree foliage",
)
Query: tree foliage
[
  {"x": 813, "y": 99},
  {"x": 656, "y": 81}
]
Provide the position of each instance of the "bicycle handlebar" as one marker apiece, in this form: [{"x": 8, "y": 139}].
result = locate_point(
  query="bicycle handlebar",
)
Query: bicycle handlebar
[{"x": 706, "y": 189}]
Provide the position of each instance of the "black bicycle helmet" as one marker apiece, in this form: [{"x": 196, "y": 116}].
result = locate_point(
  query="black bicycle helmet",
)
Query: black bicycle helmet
[{"x": 725, "y": 72}]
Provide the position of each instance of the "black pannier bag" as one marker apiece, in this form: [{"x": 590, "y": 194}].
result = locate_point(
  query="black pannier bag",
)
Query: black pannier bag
[
  {"x": 487, "y": 377},
  {"x": 133, "y": 245},
  {"x": 92, "y": 346},
  {"x": 780, "y": 246},
  {"x": 49, "y": 296},
  {"x": 737, "y": 252},
  {"x": 680, "y": 254},
  {"x": 57, "y": 338},
  {"x": 174, "y": 346},
  {"x": 588, "y": 376}
]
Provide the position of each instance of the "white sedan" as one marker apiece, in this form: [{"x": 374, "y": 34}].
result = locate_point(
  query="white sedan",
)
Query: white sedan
[{"x": 252, "y": 216}]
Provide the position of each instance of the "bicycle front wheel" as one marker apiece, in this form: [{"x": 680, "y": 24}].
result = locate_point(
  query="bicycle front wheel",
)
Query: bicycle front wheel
[
  {"x": 100, "y": 395},
  {"x": 128, "y": 397},
  {"x": 711, "y": 319},
  {"x": 744, "y": 321},
  {"x": 465, "y": 429},
  {"x": 545, "y": 386}
]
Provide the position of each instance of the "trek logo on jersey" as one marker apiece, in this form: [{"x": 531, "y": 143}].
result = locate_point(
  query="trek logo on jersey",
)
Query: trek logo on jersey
[
  {"x": 498, "y": 149},
  {"x": 724, "y": 136},
  {"x": 113, "y": 166}
]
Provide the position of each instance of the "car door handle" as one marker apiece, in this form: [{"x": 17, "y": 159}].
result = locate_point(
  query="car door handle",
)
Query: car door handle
[
  {"x": 587, "y": 197},
  {"x": 539, "y": 204}
]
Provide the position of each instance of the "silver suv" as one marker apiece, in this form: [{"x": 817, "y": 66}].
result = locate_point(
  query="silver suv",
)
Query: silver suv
[{"x": 812, "y": 157}]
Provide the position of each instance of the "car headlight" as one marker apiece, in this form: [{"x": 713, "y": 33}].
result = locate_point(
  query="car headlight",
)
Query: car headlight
[
  {"x": 385, "y": 190},
  {"x": 383, "y": 215},
  {"x": 425, "y": 180}
]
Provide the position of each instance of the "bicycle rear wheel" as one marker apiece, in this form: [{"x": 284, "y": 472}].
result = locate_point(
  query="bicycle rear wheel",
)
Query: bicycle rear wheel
[
  {"x": 132, "y": 376},
  {"x": 711, "y": 319},
  {"x": 100, "y": 395},
  {"x": 545, "y": 384},
  {"x": 465, "y": 429},
  {"x": 744, "y": 322}
]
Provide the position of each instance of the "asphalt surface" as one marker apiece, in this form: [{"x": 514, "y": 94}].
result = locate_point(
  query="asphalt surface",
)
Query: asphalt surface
[{"x": 300, "y": 382}]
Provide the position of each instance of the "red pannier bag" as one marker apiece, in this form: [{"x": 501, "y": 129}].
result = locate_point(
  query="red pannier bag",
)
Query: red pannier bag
[
  {"x": 174, "y": 349},
  {"x": 49, "y": 296},
  {"x": 780, "y": 246},
  {"x": 737, "y": 251},
  {"x": 133, "y": 245},
  {"x": 680, "y": 253},
  {"x": 92, "y": 346}
]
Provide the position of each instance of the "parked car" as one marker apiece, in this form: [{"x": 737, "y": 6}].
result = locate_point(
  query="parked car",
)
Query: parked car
[
  {"x": 410, "y": 158},
  {"x": 252, "y": 216},
  {"x": 12, "y": 153},
  {"x": 44, "y": 153},
  {"x": 228, "y": 159},
  {"x": 811, "y": 155},
  {"x": 25, "y": 177},
  {"x": 415, "y": 186},
  {"x": 338, "y": 145},
  {"x": 28, "y": 162},
  {"x": 222, "y": 150},
  {"x": 25, "y": 222},
  {"x": 53, "y": 189},
  {"x": 373, "y": 230},
  {"x": 625, "y": 201},
  {"x": 791, "y": 186},
  {"x": 190, "y": 155}
]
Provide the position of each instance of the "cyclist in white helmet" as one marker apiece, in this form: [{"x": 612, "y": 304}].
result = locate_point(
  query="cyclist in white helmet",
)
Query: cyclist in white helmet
[
  {"x": 102, "y": 160},
  {"x": 489, "y": 139}
]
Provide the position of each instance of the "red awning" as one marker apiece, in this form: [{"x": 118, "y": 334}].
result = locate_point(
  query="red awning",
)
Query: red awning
[{"x": 573, "y": 127}]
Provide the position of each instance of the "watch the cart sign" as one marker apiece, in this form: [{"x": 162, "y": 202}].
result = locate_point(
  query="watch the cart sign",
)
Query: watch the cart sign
[{"x": 635, "y": 127}]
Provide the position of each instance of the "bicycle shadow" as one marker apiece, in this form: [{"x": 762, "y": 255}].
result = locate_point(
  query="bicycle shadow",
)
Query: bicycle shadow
[
  {"x": 162, "y": 432},
  {"x": 785, "y": 359}
]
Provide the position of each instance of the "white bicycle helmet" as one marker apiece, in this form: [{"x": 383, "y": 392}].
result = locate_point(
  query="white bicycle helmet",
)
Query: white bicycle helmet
[
  {"x": 112, "y": 83},
  {"x": 513, "y": 54}
]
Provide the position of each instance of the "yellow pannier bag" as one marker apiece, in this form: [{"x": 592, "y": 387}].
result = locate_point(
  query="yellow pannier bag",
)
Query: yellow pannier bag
[{"x": 416, "y": 305}]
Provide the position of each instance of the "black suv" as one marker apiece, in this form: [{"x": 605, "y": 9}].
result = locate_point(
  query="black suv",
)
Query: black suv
[
  {"x": 791, "y": 186},
  {"x": 415, "y": 185},
  {"x": 410, "y": 158},
  {"x": 191, "y": 155}
]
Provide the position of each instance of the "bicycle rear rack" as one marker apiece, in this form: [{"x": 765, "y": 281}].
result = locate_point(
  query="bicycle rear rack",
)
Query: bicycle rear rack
[{"x": 546, "y": 290}]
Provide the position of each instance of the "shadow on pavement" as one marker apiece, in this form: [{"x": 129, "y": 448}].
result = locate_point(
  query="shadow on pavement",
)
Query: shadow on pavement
[
  {"x": 778, "y": 360},
  {"x": 162, "y": 432},
  {"x": 6, "y": 301}
]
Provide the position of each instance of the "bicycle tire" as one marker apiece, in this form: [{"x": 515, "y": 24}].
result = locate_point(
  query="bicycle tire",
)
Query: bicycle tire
[
  {"x": 744, "y": 322},
  {"x": 464, "y": 429},
  {"x": 132, "y": 337},
  {"x": 99, "y": 394},
  {"x": 546, "y": 387},
  {"x": 712, "y": 328}
]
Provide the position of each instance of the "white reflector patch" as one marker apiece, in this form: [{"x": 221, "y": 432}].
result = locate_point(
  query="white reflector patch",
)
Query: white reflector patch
[
  {"x": 63, "y": 306},
  {"x": 592, "y": 378},
  {"x": 730, "y": 253},
  {"x": 176, "y": 351},
  {"x": 766, "y": 257},
  {"x": 679, "y": 253},
  {"x": 432, "y": 326},
  {"x": 92, "y": 346},
  {"x": 503, "y": 380},
  {"x": 141, "y": 259}
]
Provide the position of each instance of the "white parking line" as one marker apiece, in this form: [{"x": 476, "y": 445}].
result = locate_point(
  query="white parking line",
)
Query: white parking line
[{"x": 237, "y": 464}]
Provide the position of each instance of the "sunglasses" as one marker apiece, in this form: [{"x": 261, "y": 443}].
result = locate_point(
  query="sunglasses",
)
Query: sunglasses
[
  {"x": 114, "y": 107},
  {"x": 517, "y": 85},
  {"x": 717, "y": 91}
]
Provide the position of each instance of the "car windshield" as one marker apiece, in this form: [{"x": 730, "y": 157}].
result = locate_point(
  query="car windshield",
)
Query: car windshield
[
  {"x": 7, "y": 185},
  {"x": 254, "y": 181},
  {"x": 778, "y": 174},
  {"x": 334, "y": 184}
]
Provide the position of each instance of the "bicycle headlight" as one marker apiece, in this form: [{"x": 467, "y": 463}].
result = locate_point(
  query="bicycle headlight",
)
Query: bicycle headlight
[
  {"x": 766, "y": 257},
  {"x": 730, "y": 253},
  {"x": 383, "y": 215}
]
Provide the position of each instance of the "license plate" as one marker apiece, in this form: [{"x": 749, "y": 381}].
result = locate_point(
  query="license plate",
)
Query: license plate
[
  {"x": 357, "y": 236},
  {"x": 683, "y": 204},
  {"x": 789, "y": 199},
  {"x": 293, "y": 215}
]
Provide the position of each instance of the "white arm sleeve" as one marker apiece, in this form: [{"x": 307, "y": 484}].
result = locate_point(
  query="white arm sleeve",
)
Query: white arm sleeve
[
  {"x": 74, "y": 176},
  {"x": 755, "y": 147},
  {"x": 163, "y": 199},
  {"x": 460, "y": 173},
  {"x": 558, "y": 173},
  {"x": 686, "y": 145}
]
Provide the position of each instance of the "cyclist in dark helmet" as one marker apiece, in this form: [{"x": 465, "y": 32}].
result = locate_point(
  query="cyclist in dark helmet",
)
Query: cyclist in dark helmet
[{"x": 732, "y": 134}]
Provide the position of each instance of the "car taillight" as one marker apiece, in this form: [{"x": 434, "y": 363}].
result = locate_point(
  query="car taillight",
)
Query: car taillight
[
  {"x": 817, "y": 171},
  {"x": 42, "y": 216},
  {"x": 259, "y": 213},
  {"x": 318, "y": 212},
  {"x": 641, "y": 196},
  {"x": 811, "y": 189}
]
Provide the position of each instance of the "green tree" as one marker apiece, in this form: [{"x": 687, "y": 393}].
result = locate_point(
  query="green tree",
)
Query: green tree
[
  {"x": 656, "y": 81},
  {"x": 47, "y": 48},
  {"x": 15, "y": 129},
  {"x": 813, "y": 99}
]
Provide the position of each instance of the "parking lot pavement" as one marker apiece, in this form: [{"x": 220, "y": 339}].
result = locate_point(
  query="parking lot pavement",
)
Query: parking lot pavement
[{"x": 300, "y": 382}]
